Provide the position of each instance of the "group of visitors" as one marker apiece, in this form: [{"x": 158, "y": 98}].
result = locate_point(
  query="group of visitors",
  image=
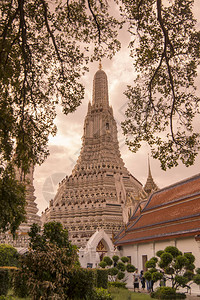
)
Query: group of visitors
[{"x": 139, "y": 278}]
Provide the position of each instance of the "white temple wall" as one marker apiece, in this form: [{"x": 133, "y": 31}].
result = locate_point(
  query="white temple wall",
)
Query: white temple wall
[{"x": 138, "y": 252}]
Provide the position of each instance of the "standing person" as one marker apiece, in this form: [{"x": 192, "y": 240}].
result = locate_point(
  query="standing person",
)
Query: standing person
[
  {"x": 136, "y": 277},
  {"x": 148, "y": 282},
  {"x": 142, "y": 279},
  {"x": 152, "y": 283}
]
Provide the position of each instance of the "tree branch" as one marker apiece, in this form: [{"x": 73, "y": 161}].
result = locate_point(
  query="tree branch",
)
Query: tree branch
[
  {"x": 96, "y": 21},
  {"x": 167, "y": 42},
  {"x": 68, "y": 11},
  {"x": 6, "y": 27},
  {"x": 52, "y": 37},
  {"x": 152, "y": 79},
  {"x": 12, "y": 44},
  {"x": 160, "y": 20}
]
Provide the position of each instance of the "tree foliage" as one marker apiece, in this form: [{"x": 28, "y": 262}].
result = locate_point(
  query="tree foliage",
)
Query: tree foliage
[
  {"x": 162, "y": 104},
  {"x": 43, "y": 53},
  {"x": 12, "y": 201},
  {"x": 8, "y": 256},
  {"x": 44, "y": 49},
  {"x": 53, "y": 233},
  {"x": 46, "y": 271},
  {"x": 177, "y": 268},
  {"x": 48, "y": 262}
]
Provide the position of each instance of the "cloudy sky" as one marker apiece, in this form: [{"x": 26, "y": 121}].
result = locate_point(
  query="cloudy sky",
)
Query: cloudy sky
[{"x": 65, "y": 147}]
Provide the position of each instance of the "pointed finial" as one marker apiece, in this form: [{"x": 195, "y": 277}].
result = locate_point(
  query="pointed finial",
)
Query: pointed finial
[
  {"x": 149, "y": 168},
  {"x": 100, "y": 65}
]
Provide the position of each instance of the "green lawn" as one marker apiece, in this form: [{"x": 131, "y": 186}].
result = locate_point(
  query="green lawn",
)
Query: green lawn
[
  {"x": 124, "y": 294},
  {"x": 116, "y": 293}
]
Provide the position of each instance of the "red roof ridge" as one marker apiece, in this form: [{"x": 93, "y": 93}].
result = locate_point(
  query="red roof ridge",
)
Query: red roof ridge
[
  {"x": 173, "y": 202},
  {"x": 171, "y": 187}
]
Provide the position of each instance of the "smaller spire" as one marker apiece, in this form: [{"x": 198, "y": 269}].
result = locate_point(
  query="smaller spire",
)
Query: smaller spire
[
  {"x": 89, "y": 107},
  {"x": 149, "y": 168},
  {"x": 150, "y": 185},
  {"x": 100, "y": 65}
]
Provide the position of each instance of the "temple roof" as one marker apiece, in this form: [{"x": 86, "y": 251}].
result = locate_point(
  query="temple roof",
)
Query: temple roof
[{"x": 171, "y": 212}]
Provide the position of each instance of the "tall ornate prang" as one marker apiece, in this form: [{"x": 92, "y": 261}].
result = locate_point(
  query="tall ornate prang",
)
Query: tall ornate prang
[
  {"x": 31, "y": 206},
  {"x": 22, "y": 239},
  {"x": 94, "y": 196}
]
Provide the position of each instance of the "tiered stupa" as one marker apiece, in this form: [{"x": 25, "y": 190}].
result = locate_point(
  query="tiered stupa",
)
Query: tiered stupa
[
  {"x": 94, "y": 197},
  {"x": 22, "y": 239}
]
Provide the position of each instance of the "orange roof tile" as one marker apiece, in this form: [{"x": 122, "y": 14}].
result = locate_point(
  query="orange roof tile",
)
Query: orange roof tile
[
  {"x": 171, "y": 212},
  {"x": 191, "y": 227},
  {"x": 174, "y": 192}
]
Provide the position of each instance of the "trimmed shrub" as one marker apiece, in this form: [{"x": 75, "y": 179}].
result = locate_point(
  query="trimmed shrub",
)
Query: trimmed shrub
[
  {"x": 121, "y": 266},
  {"x": 124, "y": 259},
  {"x": 80, "y": 284},
  {"x": 155, "y": 259},
  {"x": 169, "y": 270},
  {"x": 190, "y": 257},
  {"x": 156, "y": 276},
  {"x": 177, "y": 296},
  {"x": 150, "y": 263},
  {"x": 159, "y": 253},
  {"x": 164, "y": 292},
  {"x": 103, "y": 264},
  {"x": 180, "y": 296},
  {"x": 198, "y": 270},
  {"x": 181, "y": 261},
  {"x": 120, "y": 275},
  {"x": 181, "y": 280},
  {"x": 108, "y": 260},
  {"x": 113, "y": 271},
  {"x": 173, "y": 251},
  {"x": 166, "y": 258},
  {"x": 197, "y": 279},
  {"x": 117, "y": 284},
  {"x": 4, "y": 282},
  {"x": 189, "y": 275},
  {"x": 101, "y": 294},
  {"x": 102, "y": 278},
  {"x": 147, "y": 275},
  {"x": 115, "y": 258},
  {"x": 130, "y": 268},
  {"x": 172, "y": 262},
  {"x": 152, "y": 270}
]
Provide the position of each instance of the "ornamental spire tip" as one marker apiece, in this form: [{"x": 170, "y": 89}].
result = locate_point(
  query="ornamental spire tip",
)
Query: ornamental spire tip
[{"x": 100, "y": 65}]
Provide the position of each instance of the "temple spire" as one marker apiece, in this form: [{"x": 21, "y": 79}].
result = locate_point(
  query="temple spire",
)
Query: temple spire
[
  {"x": 100, "y": 65},
  {"x": 149, "y": 168},
  {"x": 100, "y": 88},
  {"x": 150, "y": 185}
]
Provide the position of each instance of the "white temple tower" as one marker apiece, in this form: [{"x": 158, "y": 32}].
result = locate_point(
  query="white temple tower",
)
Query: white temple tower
[
  {"x": 21, "y": 241},
  {"x": 95, "y": 195}
]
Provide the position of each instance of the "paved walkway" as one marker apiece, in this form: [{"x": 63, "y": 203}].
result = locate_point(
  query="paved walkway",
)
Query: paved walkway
[
  {"x": 189, "y": 297},
  {"x": 193, "y": 297}
]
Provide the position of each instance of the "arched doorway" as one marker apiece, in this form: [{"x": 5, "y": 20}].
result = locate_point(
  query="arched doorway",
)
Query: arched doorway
[{"x": 101, "y": 249}]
